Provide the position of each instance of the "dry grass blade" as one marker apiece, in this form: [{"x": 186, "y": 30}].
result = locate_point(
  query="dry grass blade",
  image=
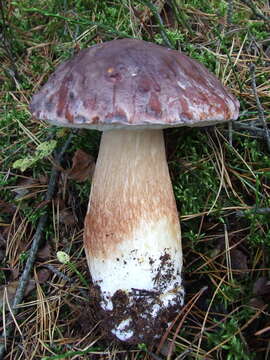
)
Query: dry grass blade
[
  {"x": 34, "y": 248},
  {"x": 259, "y": 106}
]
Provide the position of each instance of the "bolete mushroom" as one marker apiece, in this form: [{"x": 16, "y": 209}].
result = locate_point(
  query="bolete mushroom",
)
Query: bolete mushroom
[{"x": 131, "y": 89}]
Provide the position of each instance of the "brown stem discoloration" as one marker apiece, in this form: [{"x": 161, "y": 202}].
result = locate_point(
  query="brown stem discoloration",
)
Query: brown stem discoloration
[{"x": 131, "y": 185}]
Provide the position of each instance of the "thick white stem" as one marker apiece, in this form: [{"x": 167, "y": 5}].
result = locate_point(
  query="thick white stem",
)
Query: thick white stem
[{"x": 132, "y": 234}]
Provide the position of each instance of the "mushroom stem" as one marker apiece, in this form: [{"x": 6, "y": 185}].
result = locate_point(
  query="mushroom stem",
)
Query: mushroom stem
[{"x": 132, "y": 235}]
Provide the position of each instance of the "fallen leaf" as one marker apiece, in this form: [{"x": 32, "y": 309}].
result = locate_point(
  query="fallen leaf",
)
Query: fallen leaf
[
  {"x": 2, "y": 255},
  {"x": 23, "y": 187},
  {"x": 43, "y": 204},
  {"x": 2, "y": 247},
  {"x": 10, "y": 290},
  {"x": 7, "y": 208},
  {"x": 239, "y": 261},
  {"x": 43, "y": 179},
  {"x": 14, "y": 273},
  {"x": 261, "y": 286},
  {"x": 66, "y": 217},
  {"x": 257, "y": 303},
  {"x": 45, "y": 252},
  {"x": 43, "y": 275},
  {"x": 83, "y": 166},
  {"x": 167, "y": 348}
]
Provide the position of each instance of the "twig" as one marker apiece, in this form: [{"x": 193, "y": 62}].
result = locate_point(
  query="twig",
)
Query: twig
[
  {"x": 253, "y": 130},
  {"x": 184, "y": 354},
  {"x": 162, "y": 28},
  {"x": 65, "y": 278},
  {"x": 180, "y": 17},
  {"x": 255, "y": 10},
  {"x": 34, "y": 247},
  {"x": 260, "y": 211},
  {"x": 59, "y": 273},
  {"x": 229, "y": 16},
  {"x": 229, "y": 12},
  {"x": 5, "y": 38},
  {"x": 230, "y": 130},
  {"x": 153, "y": 356},
  {"x": 259, "y": 105}
]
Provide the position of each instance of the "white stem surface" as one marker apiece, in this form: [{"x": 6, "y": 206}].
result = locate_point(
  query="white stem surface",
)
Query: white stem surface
[{"x": 132, "y": 234}]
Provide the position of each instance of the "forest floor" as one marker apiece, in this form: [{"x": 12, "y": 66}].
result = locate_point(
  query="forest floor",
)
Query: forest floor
[{"x": 220, "y": 175}]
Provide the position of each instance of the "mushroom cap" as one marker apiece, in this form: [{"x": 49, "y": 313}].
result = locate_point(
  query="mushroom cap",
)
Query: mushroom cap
[{"x": 133, "y": 83}]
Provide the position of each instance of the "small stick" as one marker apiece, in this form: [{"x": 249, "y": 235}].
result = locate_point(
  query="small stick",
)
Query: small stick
[
  {"x": 261, "y": 211},
  {"x": 255, "y": 10},
  {"x": 159, "y": 20},
  {"x": 59, "y": 273},
  {"x": 253, "y": 130},
  {"x": 7, "y": 45},
  {"x": 34, "y": 247},
  {"x": 65, "y": 278},
  {"x": 228, "y": 24},
  {"x": 259, "y": 105},
  {"x": 229, "y": 12}
]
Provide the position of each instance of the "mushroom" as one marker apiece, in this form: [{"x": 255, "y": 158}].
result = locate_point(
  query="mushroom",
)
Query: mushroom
[{"x": 131, "y": 90}]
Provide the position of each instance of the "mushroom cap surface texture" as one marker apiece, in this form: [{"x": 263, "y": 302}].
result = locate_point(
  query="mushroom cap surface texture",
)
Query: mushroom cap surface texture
[{"x": 133, "y": 83}]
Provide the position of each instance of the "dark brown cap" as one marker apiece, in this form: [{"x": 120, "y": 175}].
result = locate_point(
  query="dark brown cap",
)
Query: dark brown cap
[{"x": 128, "y": 82}]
